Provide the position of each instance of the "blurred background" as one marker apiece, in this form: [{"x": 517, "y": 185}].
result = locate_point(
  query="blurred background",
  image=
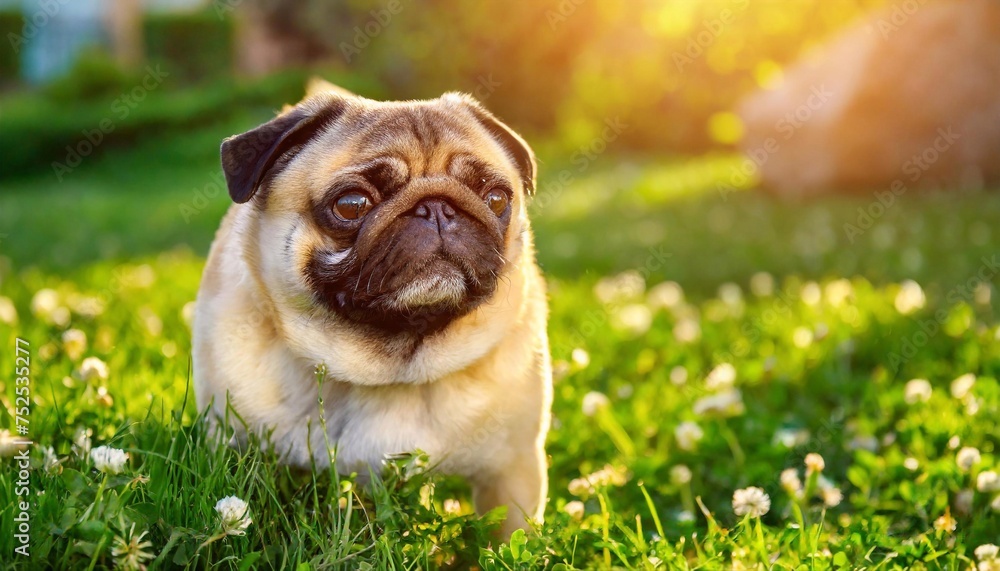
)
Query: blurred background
[
  {"x": 652, "y": 120},
  {"x": 798, "y": 192}
]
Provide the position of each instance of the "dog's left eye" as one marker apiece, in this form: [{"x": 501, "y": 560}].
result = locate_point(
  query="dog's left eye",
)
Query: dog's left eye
[
  {"x": 352, "y": 206},
  {"x": 497, "y": 201}
]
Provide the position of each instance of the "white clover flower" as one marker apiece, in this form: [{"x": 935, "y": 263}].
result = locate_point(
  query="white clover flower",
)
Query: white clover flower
[
  {"x": 605, "y": 477},
  {"x": 680, "y": 474},
  {"x": 678, "y": 375},
  {"x": 140, "y": 277},
  {"x": 910, "y": 297},
  {"x": 580, "y": 357},
  {"x": 103, "y": 398},
  {"x": 728, "y": 402},
  {"x": 917, "y": 390},
  {"x": 235, "y": 515},
  {"x": 593, "y": 402},
  {"x": 966, "y": 458},
  {"x": 665, "y": 295},
  {"x": 961, "y": 386},
  {"x": 987, "y": 552},
  {"x": 51, "y": 463},
  {"x": 575, "y": 509},
  {"x": 93, "y": 368},
  {"x": 688, "y": 434},
  {"x": 810, "y": 293},
  {"x": 451, "y": 506},
  {"x": 762, "y": 284},
  {"x": 625, "y": 286},
  {"x": 971, "y": 406},
  {"x": 911, "y": 464},
  {"x": 81, "y": 442},
  {"x": 802, "y": 337},
  {"x": 74, "y": 343},
  {"x": 108, "y": 460},
  {"x": 130, "y": 551},
  {"x": 687, "y": 330},
  {"x": 790, "y": 481},
  {"x": 8, "y": 313},
  {"x": 791, "y": 437},
  {"x": 723, "y": 376},
  {"x": 151, "y": 321},
  {"x": 44, "y": 303},
  {"x": 580, "y": 487},
  {"x": 814, "y": 463},
  {"x": 730, "y": 293},
  {"x": 608, "y": 476},
  {"x": 751, "y": 501},
  {"x": 945, "y": 523},
  {"x": 87, "y": 306},
  {"x": 988, "y": 481},
  {"x": 634, "y": 318},
  {"x": 60, "y": 317},
  {"x": 832, "y": 496},
  {"x": 187, "y": 313},
  {"x": 837, "y": 291}
]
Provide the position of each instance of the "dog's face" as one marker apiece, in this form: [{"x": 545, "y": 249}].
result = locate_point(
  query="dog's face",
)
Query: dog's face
[{"x": 400, "y": 217}]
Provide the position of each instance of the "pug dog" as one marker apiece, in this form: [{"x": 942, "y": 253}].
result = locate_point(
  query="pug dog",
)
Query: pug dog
[{"x": 386, "y": 245}]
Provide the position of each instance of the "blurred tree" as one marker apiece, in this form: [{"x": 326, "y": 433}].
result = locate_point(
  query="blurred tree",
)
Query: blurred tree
[
  {"x": 124, "y": 21},
  {"x": 663, "y": 68}
]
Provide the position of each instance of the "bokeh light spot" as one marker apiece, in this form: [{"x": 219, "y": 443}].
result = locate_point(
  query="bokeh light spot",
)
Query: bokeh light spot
[{"x": 725, "y": 127}]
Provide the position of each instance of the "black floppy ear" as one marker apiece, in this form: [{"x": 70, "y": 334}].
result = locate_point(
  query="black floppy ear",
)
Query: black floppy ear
[
  {"x": 512, "y": 143},
  {"x": 247, "y": 158}
]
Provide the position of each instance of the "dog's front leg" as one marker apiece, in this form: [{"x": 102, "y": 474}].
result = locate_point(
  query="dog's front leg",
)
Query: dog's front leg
[{"x": 521, "y": 485}]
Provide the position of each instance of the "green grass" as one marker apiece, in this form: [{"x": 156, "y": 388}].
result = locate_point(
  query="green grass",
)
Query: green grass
[{"x": 819, "y": 364}]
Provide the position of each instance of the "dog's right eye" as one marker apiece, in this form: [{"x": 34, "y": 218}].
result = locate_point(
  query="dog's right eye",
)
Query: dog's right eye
[{"x": 352, "y": 206}]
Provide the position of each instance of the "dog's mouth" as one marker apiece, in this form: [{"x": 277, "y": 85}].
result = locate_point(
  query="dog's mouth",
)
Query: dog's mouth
[
  {"x": 419, "y": 294},
  {"x": 442, "y": 285},
  {"x": 416, "y": 272}
]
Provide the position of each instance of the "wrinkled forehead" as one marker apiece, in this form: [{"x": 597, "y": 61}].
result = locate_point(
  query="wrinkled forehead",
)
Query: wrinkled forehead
[{"x": 420, "y": 137}]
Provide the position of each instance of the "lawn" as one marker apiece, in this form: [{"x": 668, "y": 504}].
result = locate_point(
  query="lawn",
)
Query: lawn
[{"x": 704, "y": 341}]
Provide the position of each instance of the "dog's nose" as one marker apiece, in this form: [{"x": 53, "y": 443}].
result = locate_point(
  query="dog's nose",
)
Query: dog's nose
[{"x": 437, "y": 211}]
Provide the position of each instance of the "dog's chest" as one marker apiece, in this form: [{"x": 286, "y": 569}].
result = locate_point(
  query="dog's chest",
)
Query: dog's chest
[{"x": 458, "y": 429}]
